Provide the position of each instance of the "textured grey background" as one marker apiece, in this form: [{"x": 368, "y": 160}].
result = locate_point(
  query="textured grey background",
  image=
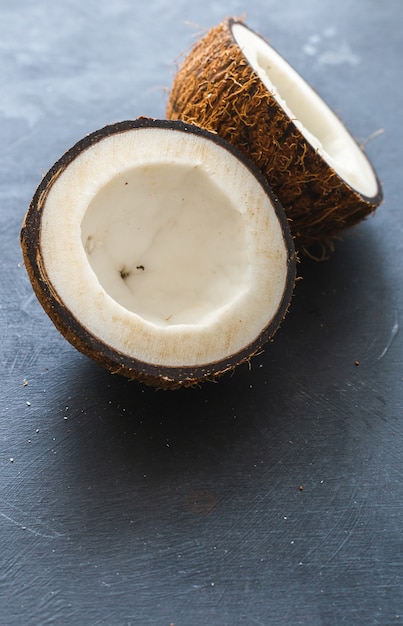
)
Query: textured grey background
[{"x": 124, "y": 506}]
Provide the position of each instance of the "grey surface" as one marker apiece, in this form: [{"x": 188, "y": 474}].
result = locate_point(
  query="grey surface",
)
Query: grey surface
[{"x": 124, "y": 506}]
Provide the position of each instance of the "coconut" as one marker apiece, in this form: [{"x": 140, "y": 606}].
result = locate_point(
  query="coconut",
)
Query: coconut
[
  {"x": 235, "y": 84},
  {"x": 160, "y": 252}
]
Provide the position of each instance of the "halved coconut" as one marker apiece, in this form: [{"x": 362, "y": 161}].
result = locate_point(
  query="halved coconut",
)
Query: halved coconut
[
  {"x": 159, "y": 251},
  {"x": 234, "y": 83}
]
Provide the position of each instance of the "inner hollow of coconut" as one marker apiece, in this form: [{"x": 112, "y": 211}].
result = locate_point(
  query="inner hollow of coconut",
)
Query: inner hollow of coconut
[
  {"x": 165, "y": 247},
  {"x": 314, "y": 119},
  {"x": 172, "y": 250}
]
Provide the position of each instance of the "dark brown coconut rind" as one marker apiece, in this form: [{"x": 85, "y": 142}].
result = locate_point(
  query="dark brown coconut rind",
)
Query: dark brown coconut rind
[
  {"x": 93, "y": 347},
  {"x": 218, "y": 89}
]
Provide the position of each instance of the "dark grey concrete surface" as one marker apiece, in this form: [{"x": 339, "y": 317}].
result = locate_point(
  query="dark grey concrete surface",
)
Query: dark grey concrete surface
[{"x": 124, "y": 506}]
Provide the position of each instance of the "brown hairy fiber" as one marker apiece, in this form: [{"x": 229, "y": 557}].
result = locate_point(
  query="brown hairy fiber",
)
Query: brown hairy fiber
[{"x": 217, "y": 89}]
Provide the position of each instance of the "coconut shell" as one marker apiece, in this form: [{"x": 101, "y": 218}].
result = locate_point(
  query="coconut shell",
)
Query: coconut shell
[
  {"x": 218, "y": 89},
  {"x": 81, "y": 338}
]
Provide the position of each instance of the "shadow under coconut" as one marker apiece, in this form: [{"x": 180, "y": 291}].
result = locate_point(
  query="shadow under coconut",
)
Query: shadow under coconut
[
  {"x": 345, "y": 305},
  {"x": 152, "y": 456},
  {"x": 167, "y": 432}
]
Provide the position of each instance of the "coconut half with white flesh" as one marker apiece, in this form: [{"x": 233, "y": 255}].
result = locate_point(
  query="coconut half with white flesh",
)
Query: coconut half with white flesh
[
  {"x": 159, "y": 251},
  {"x": 234, "y": 83}
]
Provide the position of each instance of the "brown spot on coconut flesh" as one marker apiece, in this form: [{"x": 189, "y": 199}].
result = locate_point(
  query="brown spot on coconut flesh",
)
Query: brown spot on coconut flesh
[
  {"x": 89, "y": 244},
  {"x": 124, "y": 273}
]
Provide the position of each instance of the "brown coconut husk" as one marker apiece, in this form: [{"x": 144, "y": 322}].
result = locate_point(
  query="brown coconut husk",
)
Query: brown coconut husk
[{"x": 217, "y": 89}]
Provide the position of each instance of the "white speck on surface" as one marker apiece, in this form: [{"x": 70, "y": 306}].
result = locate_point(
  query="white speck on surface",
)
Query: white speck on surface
[
  {"x": 342, "y": 54},
  {"x": 309, "y": 50},
  {"x": 392, "y": 336},
  {"x": 311, "y": 46},
  {"x": 330, "y": 50},
  {"x": 330, "y": 31}
]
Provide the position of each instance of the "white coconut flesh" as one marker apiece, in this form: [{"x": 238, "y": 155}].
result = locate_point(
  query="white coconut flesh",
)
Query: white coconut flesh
[
  {"x": 310, "y": 114},
  {"x": 165, "y": 247}
]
